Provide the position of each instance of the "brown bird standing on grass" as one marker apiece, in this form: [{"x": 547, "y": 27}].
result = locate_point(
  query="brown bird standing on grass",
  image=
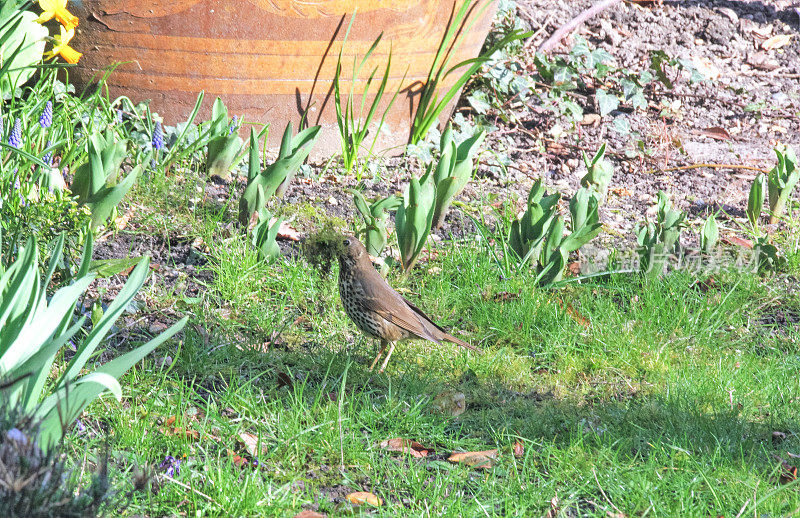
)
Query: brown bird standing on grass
[{"x": 378, "y": 310}]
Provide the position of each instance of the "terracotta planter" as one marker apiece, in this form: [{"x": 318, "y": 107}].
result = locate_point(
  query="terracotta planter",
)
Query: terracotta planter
[{"x": 269, "y": 60}]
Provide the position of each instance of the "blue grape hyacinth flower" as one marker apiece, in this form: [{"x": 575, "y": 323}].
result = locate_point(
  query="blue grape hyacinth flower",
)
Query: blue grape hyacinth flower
[
  {"x": 46, "y": 118},
  {"x": 48, "y": 157},
  {"x": 158, "y": 137},
  {"x": 15, "y": 139}
]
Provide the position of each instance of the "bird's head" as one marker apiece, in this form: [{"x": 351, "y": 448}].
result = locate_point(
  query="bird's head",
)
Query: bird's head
[{"x": 352, "y": 251}]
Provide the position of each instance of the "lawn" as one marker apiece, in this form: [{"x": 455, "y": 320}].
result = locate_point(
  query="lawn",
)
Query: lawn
[{"x": 222, "y": 376}]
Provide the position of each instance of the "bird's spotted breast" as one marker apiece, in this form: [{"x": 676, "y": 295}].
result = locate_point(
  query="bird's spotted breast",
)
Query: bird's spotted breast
[{"x": 369, "y": 322}]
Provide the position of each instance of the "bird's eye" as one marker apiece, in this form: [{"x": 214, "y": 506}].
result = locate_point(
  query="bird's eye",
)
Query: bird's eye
[{"x": 346, "y": 242}]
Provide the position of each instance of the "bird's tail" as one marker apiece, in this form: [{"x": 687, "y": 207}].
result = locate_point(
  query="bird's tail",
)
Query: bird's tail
[{"x": 462, "y": 343}]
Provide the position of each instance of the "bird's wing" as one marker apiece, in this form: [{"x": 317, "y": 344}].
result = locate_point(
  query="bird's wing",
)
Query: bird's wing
[
  {"x": 444, "y": 334},
  {"x": 395, "y": 308},
  {"x": 382, "y": 299}
]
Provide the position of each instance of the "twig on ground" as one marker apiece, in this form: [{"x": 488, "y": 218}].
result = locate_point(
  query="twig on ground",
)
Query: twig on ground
[
  {"x": 574, "y": 23},
  {"x": 712, "y": 166},
  {"x": 604, "y": 494}
]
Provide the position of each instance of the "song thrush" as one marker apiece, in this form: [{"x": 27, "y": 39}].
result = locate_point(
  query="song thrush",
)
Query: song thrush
[{"x": 378, "y": 310}]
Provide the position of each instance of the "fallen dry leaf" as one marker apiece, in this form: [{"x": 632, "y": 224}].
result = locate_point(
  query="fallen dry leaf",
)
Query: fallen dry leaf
[
  {"x": 309, "y": 514},
  {"x": 572, "y": 312},
  {"x": 364, "y": 497},
  {"x": 591, "y": 119},
  {"x": 621, "y": 191},
  {"x": 553, "y": 511},
  {"x": 738, "y": 241},
  {"x": 760, "y": 32},
  {"x": 705, "y": 285},
  {"x": 762, "y": 61},
  {"x": 776, "y": 42},
  {"x": 178, "y": 431},
  {"x": 506, "y": 295},
  {"x": 287, "y": 232},
  {"x": 716, "y": 132},
  {"x": 574, "y": 267},
  {"x": 237, "y": 459},
  {"x": 413, "y": 448},
  {"x": 450, "y": 402},
  {"x": 519, "y": 449},
  {"x": 787, "y": 473},
  {"x": 181, "y": 432},
  {"x": 284, "y": 380},
  {"x": 705, "y": 67},
  {"x": 251, "y": 443},
  {"x": 476, "y": 459}
]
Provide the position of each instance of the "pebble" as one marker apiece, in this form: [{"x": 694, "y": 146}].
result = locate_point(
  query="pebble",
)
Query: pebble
[
  {"x": 157, "y": 328},
  {"x": 730, "y": 13},
  {"x": 779, "y": 97},
  {"x": 333, "y": 201}
]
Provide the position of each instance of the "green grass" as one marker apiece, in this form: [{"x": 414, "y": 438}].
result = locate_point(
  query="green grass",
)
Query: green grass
[
  {"x": 673, "y": 401},
  {"x": 665, "y": 405}
]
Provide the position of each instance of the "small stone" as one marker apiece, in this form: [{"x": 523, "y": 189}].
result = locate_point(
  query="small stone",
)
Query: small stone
[
  {"x": 729, "y": 13},
  {"x": 779, "y": 97},
  {"x": 333, "y": 201},
  {"x": 157, "y": 328},
  {"x": 166, "y": 361}
]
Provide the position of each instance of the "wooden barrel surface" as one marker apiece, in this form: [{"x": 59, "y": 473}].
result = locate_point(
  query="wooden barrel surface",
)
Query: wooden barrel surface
[{"x": 269, "y": 60}]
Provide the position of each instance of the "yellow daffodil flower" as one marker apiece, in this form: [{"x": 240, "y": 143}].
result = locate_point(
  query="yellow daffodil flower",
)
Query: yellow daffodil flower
[
  {"x": 61, "y": 47},
  {"x": 57, "y": 9}
]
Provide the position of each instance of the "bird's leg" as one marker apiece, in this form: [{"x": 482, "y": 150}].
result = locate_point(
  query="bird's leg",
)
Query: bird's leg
[
  {"x": 388, "y": 355},
  {"x": 375, "y": 361}
]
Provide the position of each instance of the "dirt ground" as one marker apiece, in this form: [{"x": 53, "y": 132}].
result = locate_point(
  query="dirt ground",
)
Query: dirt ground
[{"x": 728, "y": 35}]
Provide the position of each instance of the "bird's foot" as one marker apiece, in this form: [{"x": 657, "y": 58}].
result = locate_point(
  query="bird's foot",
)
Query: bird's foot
[{"x": 386, "y": 360}]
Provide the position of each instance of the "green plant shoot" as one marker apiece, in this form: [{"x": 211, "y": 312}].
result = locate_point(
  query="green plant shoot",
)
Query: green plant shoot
[
  {"x": 95, "y": 182},
  {"x": 782, "y": 180},
  {"x": 413, "y": 219},
  {"x": 658, "y": 240},
  {"x": 275, "y": 178},
  {"x": 35, "y": 329},
  {"x": 453, "y": 171},
  {"x": 224, "y": 144},
  {"x": 599, "y": 173},
  {"x": 375, "y": 216}
]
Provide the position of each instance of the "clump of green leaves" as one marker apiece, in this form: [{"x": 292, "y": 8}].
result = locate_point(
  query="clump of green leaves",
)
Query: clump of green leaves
[
  {"x": 413, "y": 219},
  {"x": 658, "y": 240},
  {"x": 224, "y": 142},
  {"x": 354, "y": 127},
  {"x": 431, "y": 104},
  {"x": 264, "y": 235},
  {"x": 275, "y": 178},
  {"x": 375, "y": 216},
  {"x": 324, "y": 248},
  {"x": 96, "y": 181},
  {"x": 594, "y": 72},
  {"x": 36, "y": 328},
  {"x": 599, "y": 173},
  {"x": 453, "y": 171},
  {"x": 29, "y": 212},
  {"x": 782, "y": 180},
  {"x": 538, "y": 238}
]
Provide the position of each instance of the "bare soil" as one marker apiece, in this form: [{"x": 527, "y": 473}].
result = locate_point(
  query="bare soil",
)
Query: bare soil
[{"x": 698, "y": 169}]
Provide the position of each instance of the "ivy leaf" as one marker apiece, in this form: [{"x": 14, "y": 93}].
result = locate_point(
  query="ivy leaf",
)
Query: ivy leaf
[
  {"x": 606, "y": 102},
  {"x": 479, "y": 101}
]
